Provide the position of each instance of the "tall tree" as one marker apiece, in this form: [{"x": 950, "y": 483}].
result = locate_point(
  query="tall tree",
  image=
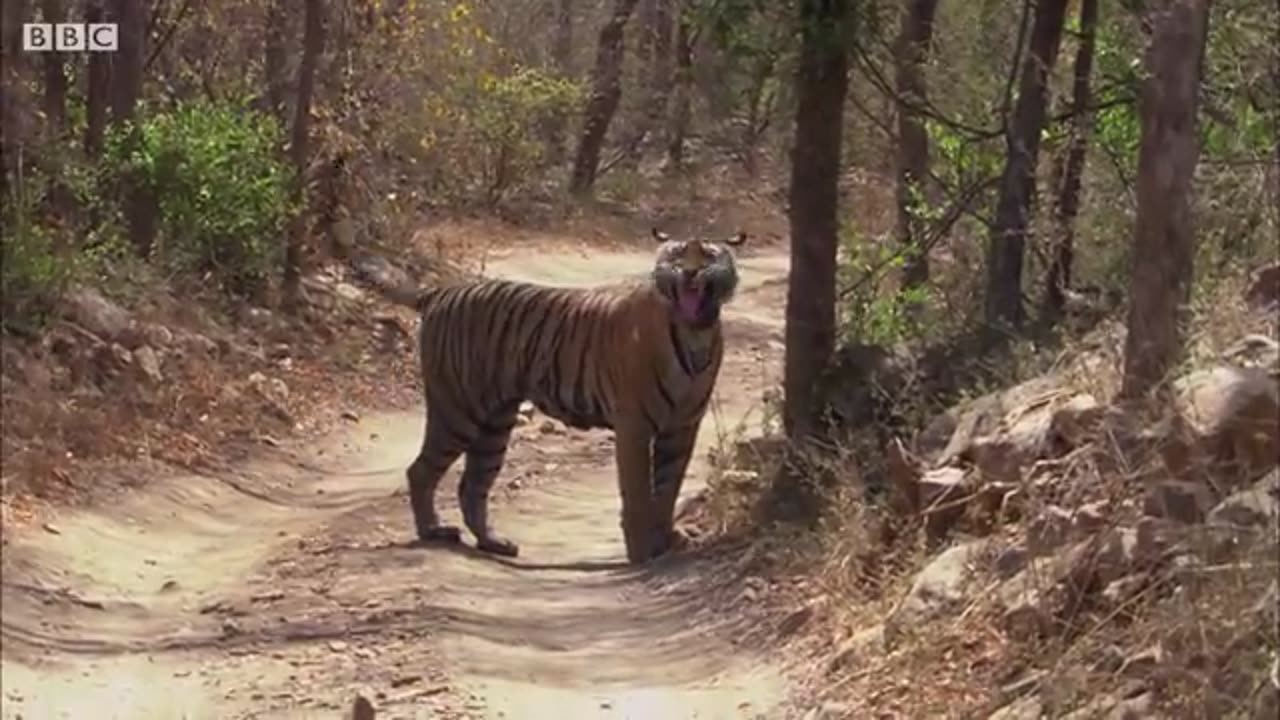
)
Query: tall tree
[
  {"x": 98, "y": 85},
  {"x": 275, "y": 54},
  {"x": 562, "y": 60},
  {"x": 1005, "y": 249},
  {"x": 910, "y": 53},
  {"x": 682, "y": 93},
  {"x": 821, "y": 86},
  {"x": 55, "y": 73},
  {"x": 1067, "y": 202},
  {"x": 13, "y": 100},
  {"x": 606, "y": 92},
  {"x": 126, "y": 71},
  {"x": 1163, "y": 240},
  {"x": 299, "y": 148}
]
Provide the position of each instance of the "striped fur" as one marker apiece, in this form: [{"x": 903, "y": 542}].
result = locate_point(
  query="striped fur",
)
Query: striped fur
[{"x": 640, "y": 359}]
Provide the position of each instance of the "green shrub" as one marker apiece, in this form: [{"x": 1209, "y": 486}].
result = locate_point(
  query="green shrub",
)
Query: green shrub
[
  {"x": 32, "y": 273},
  {"x": 220, "y": 186}
]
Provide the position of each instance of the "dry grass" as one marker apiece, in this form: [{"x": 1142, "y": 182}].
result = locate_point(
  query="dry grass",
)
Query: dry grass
[{"x": 1198, "y": 631}]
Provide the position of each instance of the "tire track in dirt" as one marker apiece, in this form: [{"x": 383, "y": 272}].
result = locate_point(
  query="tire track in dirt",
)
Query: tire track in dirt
[{"x": 193, "y": 598}]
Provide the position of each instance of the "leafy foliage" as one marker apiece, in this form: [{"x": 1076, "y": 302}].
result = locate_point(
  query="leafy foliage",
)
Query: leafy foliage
[{"x": 221, "y": 188}]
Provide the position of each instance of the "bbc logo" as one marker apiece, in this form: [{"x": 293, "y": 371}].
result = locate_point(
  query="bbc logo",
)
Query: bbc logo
[{"x": 70, "y": 37}]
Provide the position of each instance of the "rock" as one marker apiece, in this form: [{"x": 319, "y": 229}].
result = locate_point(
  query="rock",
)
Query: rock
[
  {"x": 942, "y": 495},
  {"x": 864, "y": 643},
  {"x": 1178, "y": 500},
  {"x": 1049, "y": 530},
  {"x": 1264, "y": 287},
  {"x": 550, "y": 427},
  {"x": 1076, "y": 421},
  {"x": 979, "y": 417},
  {"x": 1027, "y": 708},
  {"x": 157, "y": 335},
  {"x": 275, "y": 392},
  {"x": 1259, "y": 505},
  {"x": 1021, "y": 409},
  {"x": 1257, "y": 351},
  {"x": 111, "y": 360},
  {"x": 199, "y": 344},
  {"x": 1234, "y": 417},
  {"x": 350, "y": 415},
  {"x": 149, "y": 364},
  {"x": 1144, "y": 662},
  {"x": 347, "y": 291},
  {"x": 942, "y": 586},
  {"x": 90, "y": 310}
]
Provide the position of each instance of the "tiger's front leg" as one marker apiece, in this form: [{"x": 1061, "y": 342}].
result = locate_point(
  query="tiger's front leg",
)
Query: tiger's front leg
[
  {"x": 672, "y": 450},
  {"x": 635, "y": 485}
]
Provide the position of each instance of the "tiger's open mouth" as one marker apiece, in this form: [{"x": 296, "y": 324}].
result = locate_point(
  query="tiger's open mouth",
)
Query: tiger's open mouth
[{"x": 689, "y": 302}]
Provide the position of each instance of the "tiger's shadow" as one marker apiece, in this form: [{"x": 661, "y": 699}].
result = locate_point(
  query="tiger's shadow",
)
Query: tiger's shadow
[{"x": 671, "y": 561}]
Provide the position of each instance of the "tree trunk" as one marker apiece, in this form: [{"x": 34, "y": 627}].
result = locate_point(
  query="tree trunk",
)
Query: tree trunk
[
  {"x": 913, "y": 142},
  {"x": 1004, "y": 308},
  {"x": 660, "y": 67},
  {"x": 98, "y": 83},
  {"x": 682, "y": 93},
  {"x": 55, "y": 74},
  {"x": 1067, "y": 204},
  {"x": 821, "y": 86},
  {"x": 126, "y": 76},
  {"x": 13, "y": 96},
  {"x": 1161, "y": 269},
  {"x": 562, "y": 59},
  {"x": 312, "y": 47},
  {"x": 606, "y": 92},
  {"x": 275, "y": 60}
]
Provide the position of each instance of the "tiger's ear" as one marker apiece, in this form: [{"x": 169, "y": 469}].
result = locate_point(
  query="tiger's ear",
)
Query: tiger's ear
[
  {"x": 738, "y": 239},
  {"x": 659, "y": 235}
]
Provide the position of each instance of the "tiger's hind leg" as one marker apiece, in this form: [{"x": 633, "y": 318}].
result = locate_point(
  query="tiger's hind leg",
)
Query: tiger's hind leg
[
  {"x": 484, "y": 461},
  {"x": 440, "y": 448}
]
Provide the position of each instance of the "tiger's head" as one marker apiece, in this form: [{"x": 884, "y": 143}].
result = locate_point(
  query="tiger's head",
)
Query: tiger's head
[{"x": 696, "y": 277}]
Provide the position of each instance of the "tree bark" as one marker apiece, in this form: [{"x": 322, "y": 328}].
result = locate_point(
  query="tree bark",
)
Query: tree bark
[
  {"x": 1004, "y": 309},
  {"x": 821, "y": 86},
  {"x": 299, "y": 150},
  {"x": 562, "y": 59},
  {"x": 275, "y": 60},
  {"x": 606, "y": 92},
  {"x": 126, "y": 75},
  {"x": 1067, "y": 204},
  {"x": 13, "y": 96},
  {"x": 913, "y": 142},
  {"x": 55, "y": 74},
  {"x": 682, "y": 93},
  {"x": 98, "y": 81},
  {"x": 1161, "y": 269},
  {"x": 139, "y": 203}
]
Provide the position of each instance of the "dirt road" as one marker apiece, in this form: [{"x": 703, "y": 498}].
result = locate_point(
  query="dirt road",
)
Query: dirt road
[{"x": 280, "y": 588}]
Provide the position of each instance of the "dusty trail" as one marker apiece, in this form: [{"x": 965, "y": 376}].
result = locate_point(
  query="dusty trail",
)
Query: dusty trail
[{"x": 199, "y": 598}]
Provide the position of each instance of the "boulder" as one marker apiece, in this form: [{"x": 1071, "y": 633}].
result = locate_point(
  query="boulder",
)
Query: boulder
[
  {"x": 1233, "y": 415},
  {"x": 89, "y": 309},
  {"x": 148, "y": 363},
  {"x": 943, "y": 586},
  {"x": 1178, "y": 500},
  {"x": 1077, "y": 420}
]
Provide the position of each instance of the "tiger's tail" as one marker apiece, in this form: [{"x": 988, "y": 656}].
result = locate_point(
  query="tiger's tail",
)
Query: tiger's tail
[{"x": 389, "y": 281}]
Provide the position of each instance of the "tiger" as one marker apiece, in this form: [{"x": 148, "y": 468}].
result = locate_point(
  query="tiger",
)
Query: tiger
[{"x": 639, "y": 358}]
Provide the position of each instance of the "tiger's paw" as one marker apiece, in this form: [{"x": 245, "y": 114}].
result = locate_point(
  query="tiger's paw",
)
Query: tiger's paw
[
  {"x": 440, "y": 534},
  {"x": 498, "y": 546}
]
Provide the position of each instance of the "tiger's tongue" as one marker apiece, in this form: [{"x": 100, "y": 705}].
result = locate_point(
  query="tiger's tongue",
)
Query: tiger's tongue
[{"x": 690, "y": 300}]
